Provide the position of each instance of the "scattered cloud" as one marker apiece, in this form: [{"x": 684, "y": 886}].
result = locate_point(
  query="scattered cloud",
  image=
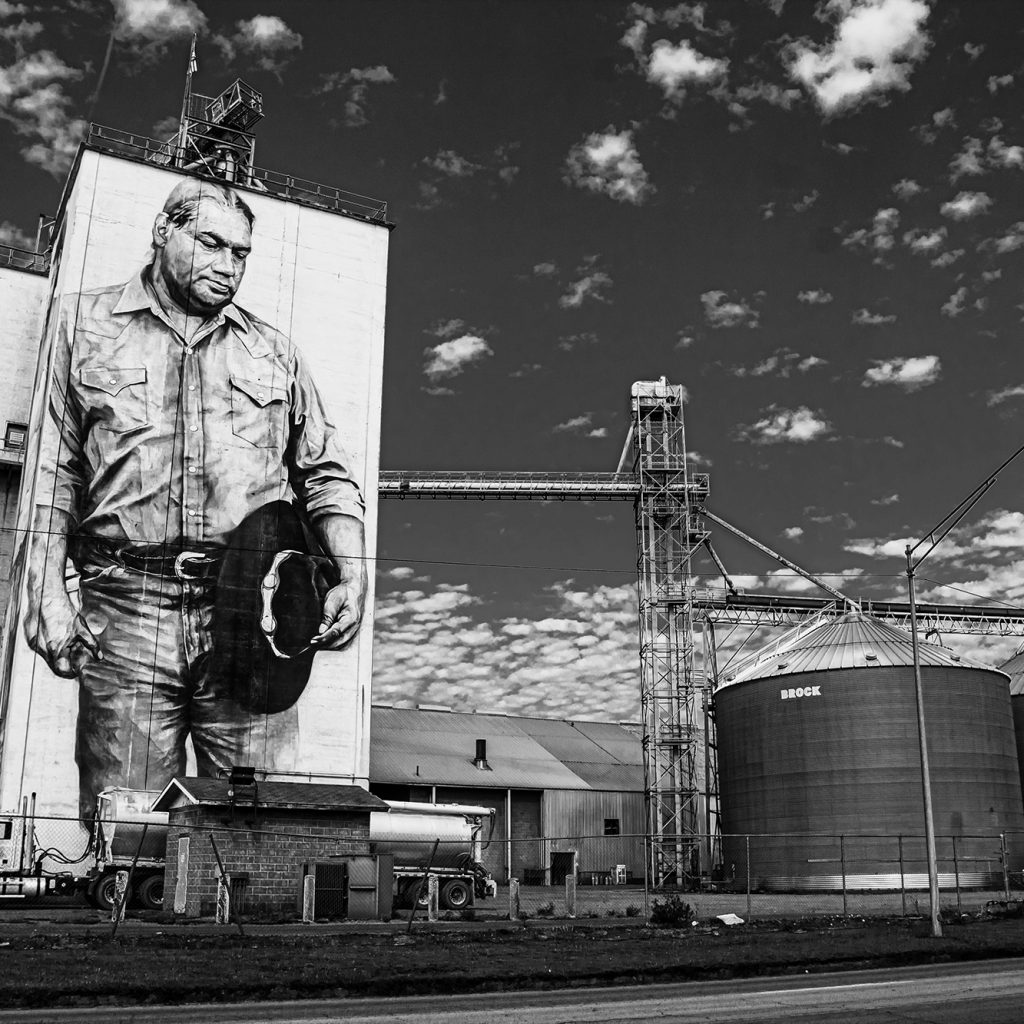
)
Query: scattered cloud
[
  {"x": 865, "y": 318},
  {"x": 582, "y": 425},
  {"x": 34, "y": 103},
  {"x": 1006, "y": 394},
  {"x": 793, "y": 532},
  {"x": 148, "y": 27},
  {"x": 948, "y": 258},
  {"x": 721, "y": 311},
  {"x": 779, "y": 425},
  {"x": 675, "y": 67},
  {"x": 780, "y": 363},
  {"x": 957, "y": 303},
  {"x": 591, "y": 285},
  {"x": 966, "y": 205},
  {"x": 265, "y": 40},
  {"x": 545, "y": 269},
  {"x": 815, "y": 297},
  {"x": 804, "y": 203},
  {"x": 450, "y": 358},
  {"x": 925, "y": 243},
  {"x": 1011, "y": 240},
  {"x": 440, "y": 647},
  {"x": 355, "y": 85},
  {"x": 889, "y": 499},
  {"x": 873, "y": 52},
  {"x": 910, "y": 373},
  {"x": 880, "y": 238},
  {"x": 997, "y": 82},
  {"x": 12, "y": 235},
  {"x": 608, "y": 163},
  {"x": 449, "y": 166},
  {"x": 906, "y": 188}
]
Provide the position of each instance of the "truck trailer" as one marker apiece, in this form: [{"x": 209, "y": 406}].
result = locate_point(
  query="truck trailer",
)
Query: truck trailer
[{"x": 446, "y": 840}]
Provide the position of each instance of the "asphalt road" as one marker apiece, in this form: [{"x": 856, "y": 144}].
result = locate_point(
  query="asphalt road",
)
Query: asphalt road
[{"x": 991, "y": 992}]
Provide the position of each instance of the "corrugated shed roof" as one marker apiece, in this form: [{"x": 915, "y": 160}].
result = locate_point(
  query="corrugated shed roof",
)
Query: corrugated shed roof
[
  {"x": 1014, "y": 668},
  {"x": 852, "y": 641},
  {"x": 416, "y": 747}
]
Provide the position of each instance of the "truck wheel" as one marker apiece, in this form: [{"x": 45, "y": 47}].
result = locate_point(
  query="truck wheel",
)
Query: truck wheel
[
  {"x": 455, "y": 895},
  {"x": 103, "y": 892},
  {"x": 151, "y": 892}
]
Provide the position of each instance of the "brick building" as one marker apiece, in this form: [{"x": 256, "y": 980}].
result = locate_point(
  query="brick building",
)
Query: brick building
[{"x": 265, "y": 838}]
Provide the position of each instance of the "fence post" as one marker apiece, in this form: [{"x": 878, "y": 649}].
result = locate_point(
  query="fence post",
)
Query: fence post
[
  {"x": 903, "y": 881},
  {"x": 308, "y": 898},
  {"x": 513, "y": 899},
  {"x": 570, "y": 895},
  {"x": 1006, "y": 866},
  {"x": 842, "y": 868},
  {"x": 956, "y": 879},
  {"x": 749, "y": 911},
  {"x": 223, "y": 910},
  {"x": 432, "y": 893}
]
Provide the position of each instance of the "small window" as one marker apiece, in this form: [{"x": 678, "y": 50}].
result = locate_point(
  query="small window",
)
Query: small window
[
  {"x": 15, "y": 436},
  {"x": 611, "y": 826}
]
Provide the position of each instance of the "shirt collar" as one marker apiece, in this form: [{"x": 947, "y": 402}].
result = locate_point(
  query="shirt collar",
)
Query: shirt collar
[{"x": 138, "y": 295}]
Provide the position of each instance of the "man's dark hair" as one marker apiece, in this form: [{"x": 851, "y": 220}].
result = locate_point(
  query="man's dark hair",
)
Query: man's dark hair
[{"x": 182, "y": 204}]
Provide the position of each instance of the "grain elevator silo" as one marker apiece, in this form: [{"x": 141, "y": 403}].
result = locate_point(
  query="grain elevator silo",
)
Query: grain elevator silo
[{"x": 817, "y": 738}]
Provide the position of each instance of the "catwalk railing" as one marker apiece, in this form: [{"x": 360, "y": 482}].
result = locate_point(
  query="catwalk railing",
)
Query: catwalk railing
[{"x": 778, "y": 875}]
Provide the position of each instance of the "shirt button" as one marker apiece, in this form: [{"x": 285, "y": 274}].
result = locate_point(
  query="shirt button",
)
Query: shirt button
[
  {"x": 192, "y": 512},
  {"x": 259, "y": 394},
  {"x": 113, "y": 380},
  {"x": 191, "y": 387},
  {"x": 191, "y": 469},
  {"x": 193, "y": 427}
]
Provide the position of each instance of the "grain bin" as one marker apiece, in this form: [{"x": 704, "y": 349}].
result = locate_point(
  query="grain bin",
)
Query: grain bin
[
  {"x": 1014, "y": 668},
  {"x": 817, "y": 739}
]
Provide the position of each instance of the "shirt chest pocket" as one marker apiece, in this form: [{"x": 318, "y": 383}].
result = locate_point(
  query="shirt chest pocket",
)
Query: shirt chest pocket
[
  {"x": 258, "y": 413},
  {"x": 116, "y": 397}
]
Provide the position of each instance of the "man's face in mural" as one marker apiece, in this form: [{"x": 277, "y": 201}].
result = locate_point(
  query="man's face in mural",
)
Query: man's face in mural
[{"x": 202, "y": 261}]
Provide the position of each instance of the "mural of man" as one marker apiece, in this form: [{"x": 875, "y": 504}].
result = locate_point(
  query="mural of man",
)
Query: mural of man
[{"x": 173, "y": 415}]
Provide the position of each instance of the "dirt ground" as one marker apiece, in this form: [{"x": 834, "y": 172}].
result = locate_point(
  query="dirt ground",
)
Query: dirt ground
[{"x": 65, "y": 961}]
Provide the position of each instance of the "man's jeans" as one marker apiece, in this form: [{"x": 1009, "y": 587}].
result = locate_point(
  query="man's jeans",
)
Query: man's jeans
[{"x": 153, "y": 688}]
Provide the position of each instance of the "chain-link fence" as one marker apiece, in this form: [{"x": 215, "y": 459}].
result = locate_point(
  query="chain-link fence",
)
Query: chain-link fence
[{"x": 271, "y": 867}]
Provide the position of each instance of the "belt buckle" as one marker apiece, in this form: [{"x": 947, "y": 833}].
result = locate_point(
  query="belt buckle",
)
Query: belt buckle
[{"x": 179, "y": 565}]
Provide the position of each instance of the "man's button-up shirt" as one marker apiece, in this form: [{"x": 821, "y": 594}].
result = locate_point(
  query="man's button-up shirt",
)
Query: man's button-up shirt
[{"x": 150, "y": 440}]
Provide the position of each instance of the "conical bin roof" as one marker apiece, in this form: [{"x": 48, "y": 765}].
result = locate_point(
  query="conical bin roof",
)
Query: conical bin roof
[{"x": 854, "y": 640}]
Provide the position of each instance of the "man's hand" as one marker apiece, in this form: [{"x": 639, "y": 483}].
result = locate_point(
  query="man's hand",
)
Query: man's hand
[
  {"x": 342, "y": 539},
  {"x": 343, "y": 612},
  {"x": 56, "y": 631}
]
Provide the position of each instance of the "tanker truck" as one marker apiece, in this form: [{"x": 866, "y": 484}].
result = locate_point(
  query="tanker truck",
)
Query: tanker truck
[{"x": 126, "y": 833}]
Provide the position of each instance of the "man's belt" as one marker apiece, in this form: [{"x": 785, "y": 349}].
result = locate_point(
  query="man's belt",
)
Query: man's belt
[{"x": 168, "y": 563}]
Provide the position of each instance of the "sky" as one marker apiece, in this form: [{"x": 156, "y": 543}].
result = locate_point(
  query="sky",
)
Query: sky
[{"x": 809, "y": 214}]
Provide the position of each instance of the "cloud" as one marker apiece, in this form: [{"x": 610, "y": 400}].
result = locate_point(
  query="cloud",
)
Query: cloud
[
  {"x": 591, "y": 285},
  {"x": 966, "y": 205},
  {"x": 910, "y": 373},
  {"x": 779, "y": 425},
  {"x": 814, "y": 297},
  {"x": 582, "y": 425},
  {"x": 448, "y": 166},
  {"x": 674, "y": 67},
  {"x": 806, "y": 202},
  {"x": 906, "y": 188},
  {"x": 608, "y": 163},
  {"x": 997, "y": 82},
  {"x": 793, "y": 532},
  {"x": 1011, "y": 240},
  {"x": 721, "y": 311},
  {"x": 865, "y": 318},
  {"x": 265, "y": 39},
  {"x": 33, "y": 102},
  {"x": 948, "y": 258},
  {"x": 781, "y": 363},
  {"x": 12, "y": 235},
  {"x": 970, "y": 161},
  {"x": 924, "y": 243},
  {"x": 1005, "y": 394},
  {"x": 355, "y": 83},
  {"x": 18, "y": 33},
  {"x": 873, "y": 52},
  {"x": 545, "y": 269},
  {"x": 446, "y": 648},
  {"x": 880, "y": 238},
  {"x": 889, "y": 499},
  {"x": 450, "y": 358},
  {"x": 156, "y": 21}
]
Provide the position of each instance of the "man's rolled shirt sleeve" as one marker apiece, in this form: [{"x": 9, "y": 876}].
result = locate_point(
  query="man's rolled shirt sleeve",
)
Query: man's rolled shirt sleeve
[
  {"x": 60, "y": 474},
  {"x": 319, "y": 468}
]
